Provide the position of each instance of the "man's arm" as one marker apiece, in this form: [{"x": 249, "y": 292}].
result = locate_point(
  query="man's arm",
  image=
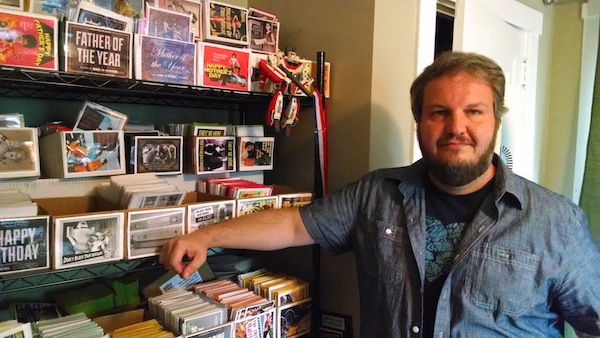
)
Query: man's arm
[{"x": 264, "y": 230}]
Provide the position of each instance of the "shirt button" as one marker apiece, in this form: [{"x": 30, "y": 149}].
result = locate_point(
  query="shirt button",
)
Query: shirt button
[
  {"x": 388, "y": 231},
  {"x": 415, "y": 329}
]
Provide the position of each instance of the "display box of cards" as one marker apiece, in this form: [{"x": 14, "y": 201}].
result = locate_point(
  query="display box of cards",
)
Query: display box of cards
[
  {"x": 148, "y": 229},
  {"x": 86, "y": 230},
  {"x": 209, "y": 154},
  {"x": 205, "y": 209},
  {"x": 24, "y": 244},
  {"x": 75, "y": 154}
]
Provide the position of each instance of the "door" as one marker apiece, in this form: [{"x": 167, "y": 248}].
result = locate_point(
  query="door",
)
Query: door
[{"x": 508, "y": 32}]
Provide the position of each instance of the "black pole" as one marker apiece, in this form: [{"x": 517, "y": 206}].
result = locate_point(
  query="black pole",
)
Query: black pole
[{"x": 318, "y": 185}]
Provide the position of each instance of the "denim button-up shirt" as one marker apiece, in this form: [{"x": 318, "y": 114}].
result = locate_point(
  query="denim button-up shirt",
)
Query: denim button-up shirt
[{"x": 527, "y": 261}]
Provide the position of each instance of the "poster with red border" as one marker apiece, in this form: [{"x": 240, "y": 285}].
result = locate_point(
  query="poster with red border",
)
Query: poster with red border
[
  {"x": 28, "y": 40},
  {"x": 225, "y": 67}
]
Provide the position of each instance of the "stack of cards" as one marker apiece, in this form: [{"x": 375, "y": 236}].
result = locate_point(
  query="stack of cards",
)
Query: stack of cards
[
  {"x": 14, "y": 203},
  {"x": 186, "y": 312},
  {"x": 148, "y": 328},
  {"x": 141, "y": 191},
  {"x": 233, "y": 187},
  {"x": 12, "y": 328},
  {"x": 280, "y": 288},
  {"x": 76, "y": 325},
  {"x": 237, "y": 298}
]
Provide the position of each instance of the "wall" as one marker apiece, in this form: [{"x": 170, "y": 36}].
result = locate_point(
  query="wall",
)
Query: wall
[{"x": 344, "y": 30}]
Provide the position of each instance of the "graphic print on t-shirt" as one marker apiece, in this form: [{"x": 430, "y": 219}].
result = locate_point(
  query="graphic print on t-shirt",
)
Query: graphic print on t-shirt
[{"x": 442, "y": 240}]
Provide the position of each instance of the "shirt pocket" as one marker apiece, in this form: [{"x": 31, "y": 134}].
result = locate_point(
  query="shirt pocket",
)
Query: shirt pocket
[
  {"x": 381, "y": 252},
  {"x": 501, "y": 279}
]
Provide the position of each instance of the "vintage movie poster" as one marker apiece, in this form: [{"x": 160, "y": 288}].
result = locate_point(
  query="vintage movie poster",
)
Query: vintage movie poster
[
  {"x": 28, "y": 40},
  {"x": 19, "y": 154},
  {"x": 225, "y": 67},
  {"x": 165, "y": 60},
  {"x": 255, "y": 153},
  {"x": 159, "y": 154},
  {"x": 225, "y": 23},
  {"x": 215, "y": 154},
  {"x": 24, "y": 244},
  {"x": 264, "y": 35},
  {"x": 88, "y": 239},
  {"x": 97, "y": 50}
]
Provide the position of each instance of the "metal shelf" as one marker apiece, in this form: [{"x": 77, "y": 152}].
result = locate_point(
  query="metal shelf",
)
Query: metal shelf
[
  {"x": 56, "y": 85},
  {"x": 25, "y": 281}
]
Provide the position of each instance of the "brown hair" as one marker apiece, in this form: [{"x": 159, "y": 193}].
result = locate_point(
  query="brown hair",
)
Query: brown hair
[{"x": 450, "y": 63}]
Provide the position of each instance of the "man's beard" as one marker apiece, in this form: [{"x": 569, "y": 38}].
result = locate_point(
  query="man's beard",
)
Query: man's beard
[{"x": 458, "y": 174}]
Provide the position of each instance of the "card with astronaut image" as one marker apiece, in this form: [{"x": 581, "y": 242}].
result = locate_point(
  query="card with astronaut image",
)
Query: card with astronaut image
[
  {"x": 88, "y": 239},
  {"x": 82, "y": 154}
]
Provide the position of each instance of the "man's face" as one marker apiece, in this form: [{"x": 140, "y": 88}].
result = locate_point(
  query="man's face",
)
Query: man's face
[{"x": 457, "y": 131}]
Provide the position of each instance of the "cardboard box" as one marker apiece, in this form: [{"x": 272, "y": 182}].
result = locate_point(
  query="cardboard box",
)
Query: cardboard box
[
  {"x": 82, "y": 154},
  {"x": 86, "y": 230}
]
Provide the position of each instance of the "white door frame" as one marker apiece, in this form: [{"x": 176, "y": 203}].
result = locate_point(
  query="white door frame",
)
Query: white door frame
[{"x": 590, "y": 13}]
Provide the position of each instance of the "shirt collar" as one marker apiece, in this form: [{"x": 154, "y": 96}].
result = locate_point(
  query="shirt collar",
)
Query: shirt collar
[{"x": 508, "y": 187}]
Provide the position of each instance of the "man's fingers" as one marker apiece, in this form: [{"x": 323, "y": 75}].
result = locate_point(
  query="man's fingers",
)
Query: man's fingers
[{"x": 195, "y": 263}]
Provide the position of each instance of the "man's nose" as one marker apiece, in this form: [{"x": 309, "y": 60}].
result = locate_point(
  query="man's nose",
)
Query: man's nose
[{"x": 456, "y": 123}]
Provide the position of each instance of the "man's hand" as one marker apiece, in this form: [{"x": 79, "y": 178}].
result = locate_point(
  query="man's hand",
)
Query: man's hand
[{"x": 180, "y": 247}]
